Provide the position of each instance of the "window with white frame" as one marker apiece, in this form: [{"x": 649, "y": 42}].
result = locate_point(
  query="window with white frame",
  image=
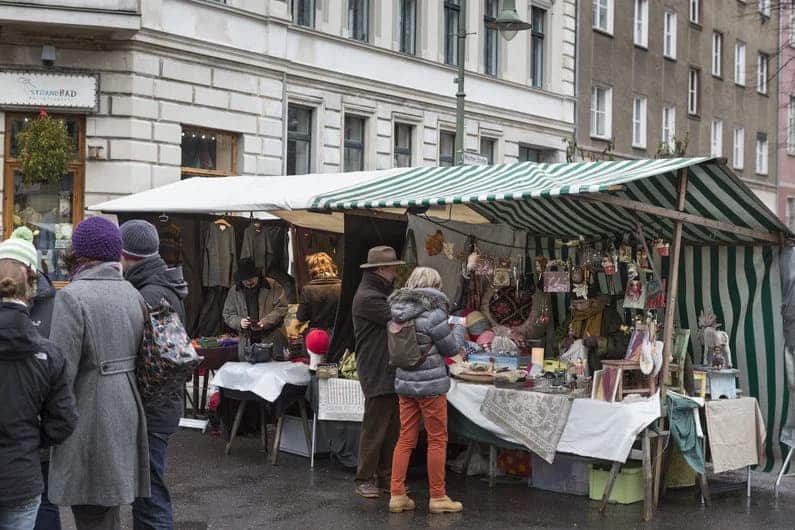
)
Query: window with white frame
[
  {"x": 792, "y": 26},
  {"x": 716, "y": 144},
  {"x": 761, "y": 153},
  {"x": 304, "y": 13},
  {"x": 359, "y": 19},
  {"x": 791, "y": 213},
  {"x": 407, "y": 16},
  {"x": 791, "y": 126},
  {"x": 717, "y": 54},
  {"x": 538, "y": 17},
  {"x": 668, "y": 125},
  {"x": 738, "y": 160},
  {"x": 487, "y": 149},
  {"x": 739, "y": 63},
  {"x": 761, "y": 73},
  {"x": 403, "y": 136},
  {"x": 692, "y": 91},
  {"x": 601, "y": 112},
  {"x": 695, "y": 11},
  {"x": 299, "y": 140},
  {"x": 603, "y": 15},
  {"x": 669, "y": 34},
  {"x": 354, "y": 143},
  {"x": 446, "y": 148},
  {"x": 452, "y": 16},
  {"x": 491, "y": 41},
  {"x": 639, "y": 122},
  {"x": 642, "y": 23},
  {"x": 764, "y": 8}
]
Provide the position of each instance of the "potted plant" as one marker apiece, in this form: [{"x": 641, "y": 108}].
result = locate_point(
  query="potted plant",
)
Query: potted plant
[{"x": 45, "y": 150}]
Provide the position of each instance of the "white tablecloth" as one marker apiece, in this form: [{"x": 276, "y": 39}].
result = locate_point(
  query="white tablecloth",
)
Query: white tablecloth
[
  {"x": 595, "y": 429},
  {"x": 264, "y": 379}
]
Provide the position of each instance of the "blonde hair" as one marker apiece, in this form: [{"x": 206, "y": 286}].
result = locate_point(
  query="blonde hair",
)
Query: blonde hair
[
  {"x": 14, "y": 280},
  {"x": 321, "y": 266},
  {"x": 424, "y": 277}
]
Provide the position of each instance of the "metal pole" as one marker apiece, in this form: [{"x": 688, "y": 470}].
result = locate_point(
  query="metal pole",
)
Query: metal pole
[{"x": 460, "y": 94}]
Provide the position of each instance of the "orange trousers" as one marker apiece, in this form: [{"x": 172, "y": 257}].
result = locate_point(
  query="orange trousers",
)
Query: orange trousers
[{"x": 434, "y": 415}]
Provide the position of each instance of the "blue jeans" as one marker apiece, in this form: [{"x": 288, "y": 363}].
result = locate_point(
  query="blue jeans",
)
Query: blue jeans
[
  {"x": 154, "y": 513},
  {"x": 49, "y": 518},
  {"x": 22, "y": 517}
]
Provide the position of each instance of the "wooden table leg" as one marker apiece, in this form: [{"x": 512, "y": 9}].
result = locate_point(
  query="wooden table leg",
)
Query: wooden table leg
[
  {"x": 648, "y": 479},
  {"x": 658, "y": 466},
  {"x": 236, "y": 425},
  {"x": 611, "y": 481},
  {"x": 305, "y": 421},
  {"x": 195, "y": 393},
  {"x": 277, "y": 440}
]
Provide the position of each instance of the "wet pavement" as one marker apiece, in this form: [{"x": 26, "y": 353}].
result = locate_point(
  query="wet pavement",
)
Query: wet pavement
[{"x": 244, "y": 491}]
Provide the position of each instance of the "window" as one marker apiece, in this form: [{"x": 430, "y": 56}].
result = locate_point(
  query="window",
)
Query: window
[
  {"x": 490, "y": 37},
  {"x": 601, "y": 112},
  {"x": 358, "y": 19},
  {"x": 764, "y": 8},
  {"x": 791, "y": 126},
  {"x": 452, "y": 12},
  {"x": 716, "y": 144},
  {"x": 695, "y": 11},
  {"x": 304, "y": 13},
  {"x": 446, "y": 149},
  {"x": 603, "y": 15},
  {"x": 717, "y": 54},
  {"x": 408, "y": 26},
  {"x": 487, "y": 149},
  {"x": 528, "y": 154},
  {"x": 639, "y": 122},
  {"x": 791, "y": 213},
  {"x": 692, "y": 92},
  {"x": 537, "y": 46},
  {"x": 206, "y": 152},
  {"x": 761, "y": 153},
  {"x": 354, "y": 143},
  {"x": 49, "y": 210},
  {"x": 299, "y": 140},
  {"x": 642, "y": 23},
  {"x": 403, "y": 134},
  {"x": 669, "y": 34},
  {"x": 669, "y": 125},
  {"x": 792, "y": 26},
  {"x": 739, "y": 63},
  {"x": 761, "y": 73},
  {"x": 738, "y": 161}
]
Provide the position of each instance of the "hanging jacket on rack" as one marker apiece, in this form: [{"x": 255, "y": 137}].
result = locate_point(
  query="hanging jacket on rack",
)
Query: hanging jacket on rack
[
  {"x": 256, "y": 245},
  {"x": 220, "y": 256}
]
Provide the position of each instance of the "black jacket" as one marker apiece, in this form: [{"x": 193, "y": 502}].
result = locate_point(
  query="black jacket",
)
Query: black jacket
[
  {"x": 155, "y": 281},
  {"x": 370, "y": 316},
  {"x": 318, "y": 304},
  {"x": 38, "y": 405},
  {"x": 41, "y": 305}
]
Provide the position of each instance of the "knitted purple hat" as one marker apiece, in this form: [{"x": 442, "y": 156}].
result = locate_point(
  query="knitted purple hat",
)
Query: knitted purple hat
[{"x": 97, "y": 238}]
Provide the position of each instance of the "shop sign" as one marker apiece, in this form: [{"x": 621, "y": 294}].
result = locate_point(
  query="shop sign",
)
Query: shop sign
[
  {"x": 474, "y": 159},
  {"x": 39, "y": 89}
]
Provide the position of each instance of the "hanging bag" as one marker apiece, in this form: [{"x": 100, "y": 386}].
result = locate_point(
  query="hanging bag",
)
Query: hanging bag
[
  {"x": 404, "y": 350},
  {"x": 556, "y": 277},
  {"x": 166, "y": 357}
]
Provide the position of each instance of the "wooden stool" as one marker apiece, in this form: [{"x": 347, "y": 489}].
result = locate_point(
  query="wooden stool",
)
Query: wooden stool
[{"x": 632, "y": 380}]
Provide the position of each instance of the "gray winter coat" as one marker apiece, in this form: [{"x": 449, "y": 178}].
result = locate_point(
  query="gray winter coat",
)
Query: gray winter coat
[
  {"x": 98, "y": 324},
  {"x": 429, "y": 309}
]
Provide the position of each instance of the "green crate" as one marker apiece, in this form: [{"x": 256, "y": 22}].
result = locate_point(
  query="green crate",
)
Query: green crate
[{"x": 627, "y": 489}]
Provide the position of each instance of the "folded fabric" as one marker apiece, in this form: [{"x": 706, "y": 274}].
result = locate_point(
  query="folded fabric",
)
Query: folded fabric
[{"x": 736, "y": 433}]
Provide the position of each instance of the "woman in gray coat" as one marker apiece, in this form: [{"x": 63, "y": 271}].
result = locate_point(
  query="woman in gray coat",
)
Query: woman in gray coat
[
  {"x": 98, "y": 323},
  {"x": 422, "y": 390}
]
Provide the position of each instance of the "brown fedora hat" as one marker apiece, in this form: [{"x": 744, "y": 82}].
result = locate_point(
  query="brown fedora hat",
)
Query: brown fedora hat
[{"x": 382, "y": 256}]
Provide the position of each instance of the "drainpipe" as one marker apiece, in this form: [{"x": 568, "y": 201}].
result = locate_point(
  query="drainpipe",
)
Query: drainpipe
[
  {"x": 284, "y": 123},
  {"x": 576, "y": 67}
]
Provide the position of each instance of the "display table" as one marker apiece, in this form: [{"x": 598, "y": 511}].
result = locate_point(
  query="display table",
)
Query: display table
[
  {"x": 214, "y": 359},
  {"x": 278, "y": 384}
]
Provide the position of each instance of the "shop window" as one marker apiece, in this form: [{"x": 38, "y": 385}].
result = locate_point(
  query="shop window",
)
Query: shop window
[
  {"x": 452, "y": 12},
  {"x": 408, "y": 26},
  {"x": 446, "y": 149},
  {"x": 354, "y": 143},
  {"x": 208, "y": 153},
  {"x": 487, "y": 149},
  {"x": 49, "y": 210},
  {"x": 403, "y": 145},
  {"x": 299, "y": 140}
]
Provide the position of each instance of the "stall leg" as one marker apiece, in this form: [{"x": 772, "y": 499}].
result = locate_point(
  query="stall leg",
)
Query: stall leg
[
  {"x": 277, "y": 440},
  {"x": 314, "y": 441},
  {"x": 748, "y": 486},
  {"x": 704, "y": 485},
  {"x": 662, "y": 440},
  {"x": 492, "y": 465},
  {"x": 648, "y": 479},
  {"x": 195, "y": 402},
  {"x": 611, "y": 480},
  {"x": 783, "y": 471},
  {"x": 305, "y": 423},
  {"x": 205, "y": 382},
  {"x": 236, "y": 425},
  {"x": 263, "y": 428}
]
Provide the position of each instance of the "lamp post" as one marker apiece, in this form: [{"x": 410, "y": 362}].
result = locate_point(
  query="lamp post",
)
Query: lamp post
[{"x": 508, "y": 24}]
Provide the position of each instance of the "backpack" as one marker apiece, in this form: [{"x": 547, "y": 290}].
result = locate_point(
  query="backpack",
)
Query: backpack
[
  {"x": 166, "y": 357},
  {"x": 404, "y": 350}
]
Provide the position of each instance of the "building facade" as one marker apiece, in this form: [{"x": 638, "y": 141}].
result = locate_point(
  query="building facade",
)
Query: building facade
[
  {"x": 786, "y": 122},
  {"x": 651, "y": 73},
  {"x": 187, "y": 88}
]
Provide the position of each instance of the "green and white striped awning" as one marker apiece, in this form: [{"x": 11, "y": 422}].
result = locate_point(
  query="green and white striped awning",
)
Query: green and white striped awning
[{"x": 550, "y": 199}]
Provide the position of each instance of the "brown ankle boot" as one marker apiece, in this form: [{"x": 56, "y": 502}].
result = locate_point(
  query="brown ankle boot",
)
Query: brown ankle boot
[
  {"x": 400, "y": 503},
  {"x": 445, "y": 505}
]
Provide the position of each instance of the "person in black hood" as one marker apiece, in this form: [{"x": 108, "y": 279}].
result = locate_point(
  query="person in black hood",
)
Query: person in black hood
[
  {"x": 39, "y": 407},
  {"x": 147, "y": 272}
]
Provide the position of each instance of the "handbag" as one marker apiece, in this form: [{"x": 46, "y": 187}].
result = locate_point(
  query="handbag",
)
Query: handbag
[
  {"x": 166, "y": 357},
  {"x": 258, "y": 353},
  {"x": 404, "y": 350},
  {"x": 556, "y": 277}
]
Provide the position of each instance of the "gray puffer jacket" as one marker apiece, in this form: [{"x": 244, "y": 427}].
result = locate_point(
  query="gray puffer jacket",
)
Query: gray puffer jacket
[{"x": 429, "y": 309}]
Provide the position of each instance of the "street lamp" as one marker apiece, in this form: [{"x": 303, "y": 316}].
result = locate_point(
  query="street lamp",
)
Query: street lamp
[{"x": 508, "y": 24}]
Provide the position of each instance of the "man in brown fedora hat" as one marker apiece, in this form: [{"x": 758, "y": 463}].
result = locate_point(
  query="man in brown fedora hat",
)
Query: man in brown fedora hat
[{"x": 381, "y": 422}]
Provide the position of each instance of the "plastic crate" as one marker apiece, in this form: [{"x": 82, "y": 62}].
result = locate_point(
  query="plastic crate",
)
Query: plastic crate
[
  {"x": 567, "y": 474},
  {"x": 627, "y": 489}
]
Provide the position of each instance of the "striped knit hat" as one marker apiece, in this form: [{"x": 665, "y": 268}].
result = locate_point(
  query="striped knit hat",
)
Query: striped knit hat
[{"x": 19, "y": 248}]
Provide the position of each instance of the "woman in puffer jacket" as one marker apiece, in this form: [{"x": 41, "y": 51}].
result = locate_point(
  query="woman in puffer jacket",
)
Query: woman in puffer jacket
[{"x": 422, "y": 390}]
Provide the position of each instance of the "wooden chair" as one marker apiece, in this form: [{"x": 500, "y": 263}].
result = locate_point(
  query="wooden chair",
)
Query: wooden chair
[{"x": 676, "y": 379}]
